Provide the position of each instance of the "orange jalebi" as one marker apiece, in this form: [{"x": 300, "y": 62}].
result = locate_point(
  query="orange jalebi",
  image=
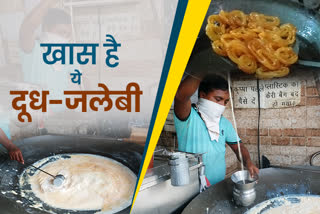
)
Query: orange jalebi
[
  {"x": 286, "y": 55},
  {"x": 257, "y": 43},
  {"x": 261, "y": 20},
  {"x": 240, "y": 55},
  {"x": 248, "y": 64},
  {"x": 219, "y": 48},
  {"x": 263, "y": 73}
]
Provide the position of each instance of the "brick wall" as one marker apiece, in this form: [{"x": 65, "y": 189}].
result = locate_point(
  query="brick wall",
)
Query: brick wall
[{"x": 288, "y": 136}]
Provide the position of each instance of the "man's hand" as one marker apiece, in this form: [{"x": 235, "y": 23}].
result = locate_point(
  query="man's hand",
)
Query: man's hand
[
  {"x": 253, "y": 170},
  {"x": 15, "y": 153},
  {"x": 246, "y": 158}
]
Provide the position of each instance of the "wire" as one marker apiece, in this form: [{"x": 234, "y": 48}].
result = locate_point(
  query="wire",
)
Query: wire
[
  {"x": 234, "y": 120},
  {"x": 259, "y": 108}
]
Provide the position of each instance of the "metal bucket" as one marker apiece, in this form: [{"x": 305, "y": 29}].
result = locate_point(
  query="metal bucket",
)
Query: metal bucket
[
  {"x": 244, "y": 192},
  {"x": 179, "y": 169}
]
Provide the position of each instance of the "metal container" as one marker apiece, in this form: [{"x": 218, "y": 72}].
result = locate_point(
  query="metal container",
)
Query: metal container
[
  {"x": 158, "y": 196},
  {"x": 244, "y": 192},
  {"x": 179, "y": 169}
]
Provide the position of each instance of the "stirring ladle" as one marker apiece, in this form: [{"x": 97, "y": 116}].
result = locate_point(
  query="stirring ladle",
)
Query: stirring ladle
[{"x": 57, "y": 180}]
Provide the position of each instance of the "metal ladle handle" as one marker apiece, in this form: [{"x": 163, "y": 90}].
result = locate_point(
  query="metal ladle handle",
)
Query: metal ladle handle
[
  {"x": 43, "y": 171},
  {"x": 57, "y": 180}
]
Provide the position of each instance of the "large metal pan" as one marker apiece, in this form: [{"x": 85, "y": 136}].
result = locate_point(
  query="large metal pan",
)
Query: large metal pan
[
  {"x": 272, "y": 183},
  {"x": 37, "y": 148}
]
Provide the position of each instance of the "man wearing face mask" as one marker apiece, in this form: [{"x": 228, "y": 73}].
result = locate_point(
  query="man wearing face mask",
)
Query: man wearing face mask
[
  {"x": 55, "y": 28},
  {"x": 201, "y": 128},
  {"x": 46, "y": 24}
]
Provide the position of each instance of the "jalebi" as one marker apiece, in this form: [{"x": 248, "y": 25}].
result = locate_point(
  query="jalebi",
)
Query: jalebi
[{"x": 257, "y": 43}]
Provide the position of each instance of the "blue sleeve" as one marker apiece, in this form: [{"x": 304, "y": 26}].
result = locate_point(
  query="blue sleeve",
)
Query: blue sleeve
[
  {"x": 182, "y": 129},
  {"x": 4, "y": 125},
  {"x": 231, "y": 135},
  {"x": 181, "y": 124}
]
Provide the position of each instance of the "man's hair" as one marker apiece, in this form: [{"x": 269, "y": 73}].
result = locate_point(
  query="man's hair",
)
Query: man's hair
[
  {"x": 55, "y": 17},
  {"x": 212, "y": 82}
]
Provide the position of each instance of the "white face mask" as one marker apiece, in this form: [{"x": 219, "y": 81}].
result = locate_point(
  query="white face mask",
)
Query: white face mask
[{"x": 211, "y": 113}]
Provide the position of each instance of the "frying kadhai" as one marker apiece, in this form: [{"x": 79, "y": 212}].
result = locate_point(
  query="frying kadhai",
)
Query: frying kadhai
[
  {"x": 257, "y": 43},
  {"x": 91, "y": 182}
]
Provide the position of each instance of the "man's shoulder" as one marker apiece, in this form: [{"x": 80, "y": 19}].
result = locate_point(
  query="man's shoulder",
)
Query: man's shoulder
[
  {"x": 225, "y": 121},
  {"x": 193, "y": 122},
  {"x": 193, "y": 114},
  {"x": 34, "y": 52}
]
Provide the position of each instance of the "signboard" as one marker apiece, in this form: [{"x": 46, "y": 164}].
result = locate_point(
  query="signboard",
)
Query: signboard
[{"x": 275, "y": 93}]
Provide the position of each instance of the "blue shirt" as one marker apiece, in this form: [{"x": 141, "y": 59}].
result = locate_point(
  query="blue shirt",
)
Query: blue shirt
[
  {"x": 193, "y": 136},
  {"x": 36, "y": 71},
  {"x": 4, "y": 125}
]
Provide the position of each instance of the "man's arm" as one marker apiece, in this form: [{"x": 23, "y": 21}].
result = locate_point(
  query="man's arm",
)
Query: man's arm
[
  {"x": 31, "y": 23},
  {"x": 198, "y": 68},
  {"x": 182, "y": 102},
  {"x": 14, "y": 151},
  {"x": 246, "y": 158}
]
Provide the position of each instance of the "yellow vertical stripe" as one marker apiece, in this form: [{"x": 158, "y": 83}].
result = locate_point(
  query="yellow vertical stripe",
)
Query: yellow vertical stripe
[{"x": 194, "y": 16}]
